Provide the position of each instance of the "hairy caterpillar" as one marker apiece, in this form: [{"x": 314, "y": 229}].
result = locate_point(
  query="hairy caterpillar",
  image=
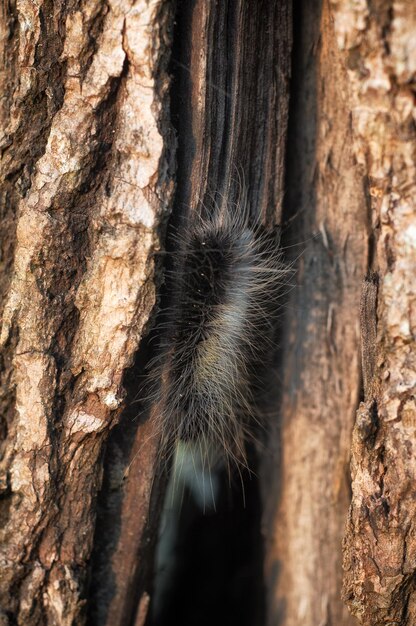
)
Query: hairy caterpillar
[{"x": 224, "y": 285}]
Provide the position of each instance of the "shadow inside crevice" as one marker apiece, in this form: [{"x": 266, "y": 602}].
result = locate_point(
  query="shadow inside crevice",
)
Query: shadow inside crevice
[
  {"x": 217, "y": 575},
  {"x": 116, "y": 459}
]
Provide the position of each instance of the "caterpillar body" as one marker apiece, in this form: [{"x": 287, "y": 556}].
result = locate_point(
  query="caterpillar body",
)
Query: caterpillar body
[{"x": 224, "y": 287}]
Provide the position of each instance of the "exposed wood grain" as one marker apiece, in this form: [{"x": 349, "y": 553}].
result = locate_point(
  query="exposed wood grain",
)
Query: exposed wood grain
[
  {"x": 306, "y": 484},
  {"x": 233, "y": 67}
]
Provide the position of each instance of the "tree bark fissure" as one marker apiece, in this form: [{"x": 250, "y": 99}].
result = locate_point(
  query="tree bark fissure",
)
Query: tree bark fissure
[
  {"x": 113, "y": 113},
  {"x": 212, "y": 67}
]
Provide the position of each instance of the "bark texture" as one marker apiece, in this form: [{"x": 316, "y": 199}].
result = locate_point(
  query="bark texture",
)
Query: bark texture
[
  {"x": 378, "y": 42},
  {"x": 87, "y": 158},
  {"x": 306, "y": 482},
  {"x": 85, "y": 173},
  {"x": 231, "y": 103}
]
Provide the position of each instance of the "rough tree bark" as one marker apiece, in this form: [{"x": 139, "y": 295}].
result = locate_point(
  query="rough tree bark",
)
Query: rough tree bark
[
  {"x": 86, "y": 178},
  {"x": 379, "y": 47},
  {"x": 352, "y": 143},
  {"x": 88, "y": 175}
]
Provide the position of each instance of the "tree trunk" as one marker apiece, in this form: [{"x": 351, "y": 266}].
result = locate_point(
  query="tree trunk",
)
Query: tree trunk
[
  {"x": 351, "y": 176},
  {"x": 87, "y": 155},
  {"x": 306, "y": 482},
  {"x": 378, "y": 46},
  {"x": 115, "y": 113}
]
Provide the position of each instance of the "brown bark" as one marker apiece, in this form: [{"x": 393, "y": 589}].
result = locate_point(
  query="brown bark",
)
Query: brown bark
[
  {"x": 306, "y": 485},
  {"x": 352, "y": 141},
  {"x": 87, "y": 182},
  {"x": 85, "y": 173},
  {"x": 380, "y": 546}
]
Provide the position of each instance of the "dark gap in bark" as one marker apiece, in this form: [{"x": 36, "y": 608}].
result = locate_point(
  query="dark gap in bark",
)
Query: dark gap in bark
[
  {"x": 220, "y": 79},
  {"x": 8, "y": 207},
  {"x": 52, "y": 35},
  {"x": 181, "y": 107},
  {"x": 94, "y": 27},
  {"x": 163, "y": 32},
  {"x": 10, "y": 53},
  {"x": 217, "y": 575},
  {"x": 117, "y": 456},
  {"x": 7, "y": 410}
]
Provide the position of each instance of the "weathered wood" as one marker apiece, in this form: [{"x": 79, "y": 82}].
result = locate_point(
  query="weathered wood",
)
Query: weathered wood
[
  {"x": 306, "y": 482},
  {"x": 232, "y": 63}
]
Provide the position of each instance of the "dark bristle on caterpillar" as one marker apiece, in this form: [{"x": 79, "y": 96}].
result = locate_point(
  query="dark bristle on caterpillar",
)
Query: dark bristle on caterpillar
[{"x": 226, "y": 277}]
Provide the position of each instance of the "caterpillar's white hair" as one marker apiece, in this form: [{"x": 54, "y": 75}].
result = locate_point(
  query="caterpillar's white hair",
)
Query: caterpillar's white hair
[{"x": 224, "y": 289}]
